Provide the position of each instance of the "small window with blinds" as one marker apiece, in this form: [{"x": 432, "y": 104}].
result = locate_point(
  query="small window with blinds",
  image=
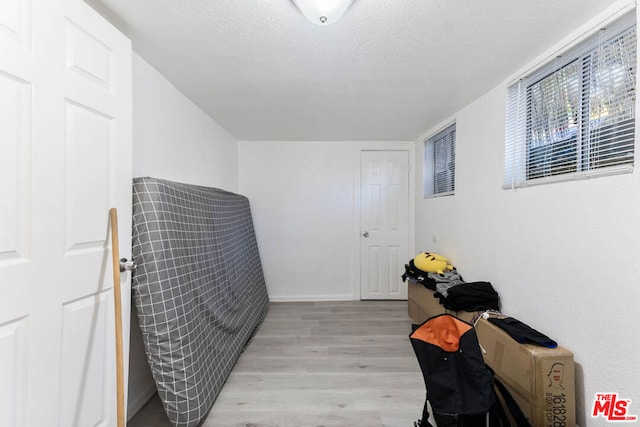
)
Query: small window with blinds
[
  {"x": 575, "y": 117},
  {"x": 439, "y": 165}
]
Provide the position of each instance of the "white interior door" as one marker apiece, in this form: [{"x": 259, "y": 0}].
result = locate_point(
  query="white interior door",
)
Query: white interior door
[
  {"x": 65, "y": 159},
  {"x": 384, "y": 223}
]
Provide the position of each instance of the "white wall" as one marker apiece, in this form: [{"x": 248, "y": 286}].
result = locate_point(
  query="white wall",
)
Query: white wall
[
  {"x": 305, "y": 209},
  {"x": 564, "y": 256},
  {"x": 172, "y": 139}
]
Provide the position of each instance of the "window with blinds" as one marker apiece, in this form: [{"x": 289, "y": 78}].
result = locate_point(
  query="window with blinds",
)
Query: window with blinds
[
  {"x": 575, "y": 117},
  {"x": 439, "y": 165}
]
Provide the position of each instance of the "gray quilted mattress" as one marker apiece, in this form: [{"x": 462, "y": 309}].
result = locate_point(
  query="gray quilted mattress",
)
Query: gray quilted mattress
[{"x": 199, "y": 289}]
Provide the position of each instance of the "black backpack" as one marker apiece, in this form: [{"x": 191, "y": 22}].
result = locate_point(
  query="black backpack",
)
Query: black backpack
[{"x": 460, "y": 387}]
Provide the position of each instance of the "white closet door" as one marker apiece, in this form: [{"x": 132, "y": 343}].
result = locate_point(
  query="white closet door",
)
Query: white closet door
[
  {"x": 65, "y": 159},
  {"x": 384, "y": 223}
]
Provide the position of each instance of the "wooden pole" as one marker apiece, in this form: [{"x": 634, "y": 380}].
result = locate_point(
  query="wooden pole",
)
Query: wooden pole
[{"x": 117, "y": 302}]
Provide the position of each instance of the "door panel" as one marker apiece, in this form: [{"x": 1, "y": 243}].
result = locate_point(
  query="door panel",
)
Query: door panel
[
  {"x": 14, "y": 23},
  {"x": 372, "y": 271},
  {"x": 384, "y": 223},
  {"x": 13, "y": 351},
  {"x": 65, "y": 127},
  {"x": 14, "y": 168},
  {"x": 394, "y": 262},
  {"x": 88, "y": 138},
  {"x": 88, "y": 57},
  {"x": 85, "y": 391}
]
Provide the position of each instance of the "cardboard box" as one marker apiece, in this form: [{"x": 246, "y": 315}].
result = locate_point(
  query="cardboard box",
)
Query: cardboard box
[
  {"x": 540, "y": 379},
  {"x": 421, "y": 305}
]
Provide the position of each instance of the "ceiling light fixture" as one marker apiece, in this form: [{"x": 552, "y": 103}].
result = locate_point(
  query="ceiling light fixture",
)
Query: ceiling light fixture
[{"x": 323, "y": 12}]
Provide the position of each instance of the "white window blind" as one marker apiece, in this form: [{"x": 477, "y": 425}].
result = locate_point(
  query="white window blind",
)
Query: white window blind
[
  {"x": 439, "y": 165},
  {"x": 575, "y": 116}
]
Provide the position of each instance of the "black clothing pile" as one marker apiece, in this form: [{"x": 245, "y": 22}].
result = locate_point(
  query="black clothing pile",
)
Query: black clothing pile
[
  {"x": 433, "y": 281},
  {"x": 472, "y": 296},
  {"x": 414, "y": 275},
  {"x": 452, "y": 291}
]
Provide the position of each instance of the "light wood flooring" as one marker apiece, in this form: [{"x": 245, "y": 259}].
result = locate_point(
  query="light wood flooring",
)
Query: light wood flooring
[{"x": 322, "y": 364}]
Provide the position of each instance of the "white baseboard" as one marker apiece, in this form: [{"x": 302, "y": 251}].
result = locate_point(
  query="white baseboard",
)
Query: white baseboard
[
  {"x": 311, "y": 298},
  {"x": 136, "y": 403}
]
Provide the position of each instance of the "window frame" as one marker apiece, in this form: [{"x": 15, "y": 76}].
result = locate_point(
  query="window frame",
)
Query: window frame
[
  {"x": 519, "y": 150},
  {"x": 438, "y": 149}
]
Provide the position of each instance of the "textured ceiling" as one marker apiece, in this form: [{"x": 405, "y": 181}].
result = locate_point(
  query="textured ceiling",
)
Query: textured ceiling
[{"x": 389, "y": 70}]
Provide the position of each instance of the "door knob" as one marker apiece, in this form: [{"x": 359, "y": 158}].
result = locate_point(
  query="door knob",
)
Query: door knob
[
  {"x": 365, "y": 234},
  {"x": 127, "y": 265}
]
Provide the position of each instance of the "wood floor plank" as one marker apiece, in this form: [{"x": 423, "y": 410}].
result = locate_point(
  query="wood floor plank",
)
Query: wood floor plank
[
  {"x": 327, "y": 381},
  {"x": 356, "y": 315},
  {"x": 330, "y": 364},
  {"x": 340, "y": 328},
  {"x": 325, "y": 364},
  {"x": 293, "y": 418},
  {"x": 363, "y": 341}
]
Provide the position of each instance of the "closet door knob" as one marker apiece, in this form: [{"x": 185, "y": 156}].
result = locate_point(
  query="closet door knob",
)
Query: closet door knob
[
  {"x": 365, "y": 234},
  {"x": 127, "y": 265}
]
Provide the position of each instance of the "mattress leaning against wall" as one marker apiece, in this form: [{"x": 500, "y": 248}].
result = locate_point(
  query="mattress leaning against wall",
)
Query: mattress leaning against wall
[{"x": 199, "y": 289}]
